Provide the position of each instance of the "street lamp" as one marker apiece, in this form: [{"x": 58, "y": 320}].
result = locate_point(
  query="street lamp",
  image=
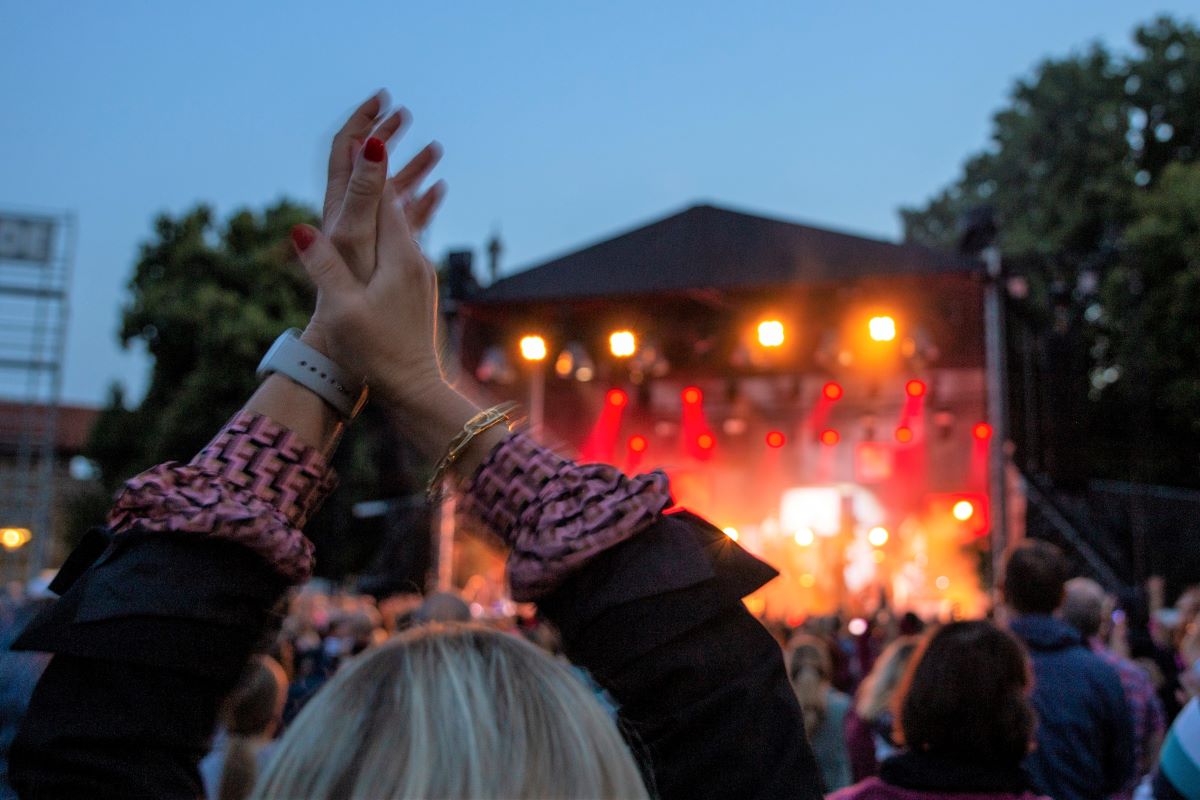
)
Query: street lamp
[
  {"x": 622, "y": 344},
  {"x": 533, "y": 350},
  {"x": 882, "y": 328}
]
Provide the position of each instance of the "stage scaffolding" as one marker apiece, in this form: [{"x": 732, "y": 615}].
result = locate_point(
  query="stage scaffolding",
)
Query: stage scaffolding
[{"x": 36, "y": 255}]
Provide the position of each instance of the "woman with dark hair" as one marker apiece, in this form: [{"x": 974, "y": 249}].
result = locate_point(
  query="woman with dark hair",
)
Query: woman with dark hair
[{"x": 964, "y": 716}]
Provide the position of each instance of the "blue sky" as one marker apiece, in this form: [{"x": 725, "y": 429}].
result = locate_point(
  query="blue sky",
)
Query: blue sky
[{"x": 562, "y": 121}]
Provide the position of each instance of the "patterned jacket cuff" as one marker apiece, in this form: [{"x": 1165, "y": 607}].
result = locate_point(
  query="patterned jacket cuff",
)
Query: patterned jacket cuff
[
  {"x": 256, "y": 484},
  {"x": 556, "y": 514}
]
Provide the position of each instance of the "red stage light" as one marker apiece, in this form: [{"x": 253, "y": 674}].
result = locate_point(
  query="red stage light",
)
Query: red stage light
[
  {"x": 692, "y": 396},
  {"x": 904, "y": 434},
  {"x": 617, "y": 397},
  {"x": 705, "y": 441},
  {"x": 776, "y": 439},
  {"x": 832, "y": 391},
  {"x": 830, "y": 437},
  {"x": 982, "y": 431},
  {"x": 638, "y": 444},
  {"x": 915, "y": 388}
]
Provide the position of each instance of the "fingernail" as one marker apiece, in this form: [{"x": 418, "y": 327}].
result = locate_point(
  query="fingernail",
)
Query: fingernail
[
  {"x": 374, "y": 150},
  {"x": 302, "y": 236}
]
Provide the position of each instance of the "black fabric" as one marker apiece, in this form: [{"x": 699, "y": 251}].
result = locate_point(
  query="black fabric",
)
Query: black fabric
[
  {"x": 928, "y": 772},
  {"x": 152, "y": 635},
  {"x": 147, "y": 640},
  {"x": 704, "y": 697}
]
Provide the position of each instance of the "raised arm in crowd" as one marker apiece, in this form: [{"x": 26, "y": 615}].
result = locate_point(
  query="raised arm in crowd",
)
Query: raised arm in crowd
[{"x": 161, "y": 609}]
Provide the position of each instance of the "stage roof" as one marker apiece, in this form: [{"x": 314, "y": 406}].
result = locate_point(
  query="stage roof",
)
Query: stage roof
[{"x": 706, "y": 247}]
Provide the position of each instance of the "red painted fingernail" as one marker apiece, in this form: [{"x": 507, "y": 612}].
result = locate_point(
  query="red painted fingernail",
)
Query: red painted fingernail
[
  {"x": 302, "y": 236},
  {"x": 374, "y": 150}
]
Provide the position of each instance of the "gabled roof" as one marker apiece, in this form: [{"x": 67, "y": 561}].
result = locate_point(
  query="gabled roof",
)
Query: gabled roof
[{"x": 705, "y": 247}]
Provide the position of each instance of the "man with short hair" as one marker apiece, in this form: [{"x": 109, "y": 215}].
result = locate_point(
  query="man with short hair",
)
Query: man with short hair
[
  {"x": 1085, "y": 607},
  {"x": 1085, "y": 731}
]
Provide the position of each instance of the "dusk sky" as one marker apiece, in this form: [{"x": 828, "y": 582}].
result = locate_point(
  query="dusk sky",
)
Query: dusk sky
[{"x": 562, "y": 122}]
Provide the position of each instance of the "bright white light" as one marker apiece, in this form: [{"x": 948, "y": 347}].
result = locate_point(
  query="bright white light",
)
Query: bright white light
[
  {"x": 533, "y": 348},
  {"x": 622, "y": 344},
  {"x": 770, "y": 333},
  {"x": 732, "y": 533},
  {"x": 815, "y": 507},
  {"x": 882, "y": 329},
  {"x": 943, "y": 583},
  {"x": 857, "y": 626},
  {"x": 878, "y": 536},
  {"x": 805, "y": 537},
  {"x": 963, "y": 510}
]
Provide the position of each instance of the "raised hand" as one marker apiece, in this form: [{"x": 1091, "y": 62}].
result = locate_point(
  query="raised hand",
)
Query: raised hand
[{"x": 357, "y": 174}]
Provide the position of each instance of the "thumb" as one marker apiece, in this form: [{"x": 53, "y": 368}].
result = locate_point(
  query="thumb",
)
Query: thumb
[{"x": 321, "y": 260}]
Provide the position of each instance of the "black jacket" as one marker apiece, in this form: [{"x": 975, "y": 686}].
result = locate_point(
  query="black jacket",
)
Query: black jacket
[{"x": 151, "y": 636}]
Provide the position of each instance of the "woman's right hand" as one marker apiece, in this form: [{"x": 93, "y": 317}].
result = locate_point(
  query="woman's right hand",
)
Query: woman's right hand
[{"x": 378, "y": 321}]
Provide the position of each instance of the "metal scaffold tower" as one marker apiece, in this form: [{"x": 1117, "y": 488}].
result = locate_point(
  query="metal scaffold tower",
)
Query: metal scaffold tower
[{"x": 36, "y": 254}]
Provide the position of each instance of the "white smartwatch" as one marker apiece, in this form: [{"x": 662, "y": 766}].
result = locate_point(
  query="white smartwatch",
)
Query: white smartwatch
[{"x": 294, "y": 359}]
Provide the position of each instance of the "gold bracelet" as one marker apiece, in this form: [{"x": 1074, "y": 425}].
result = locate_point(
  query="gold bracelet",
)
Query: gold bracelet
[{"x": 459, "y": 444}]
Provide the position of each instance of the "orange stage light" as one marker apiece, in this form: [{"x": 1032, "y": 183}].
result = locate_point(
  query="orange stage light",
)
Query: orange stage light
[
  {"x": 832, "y": 391},
  {"x": 982, "y": 431},
  {"x": 776, "y": 439},
  {"x": 830, "y": 437},
  {"x": 705, "y": 441},
  {"x": 915, "y": 388},
  {"x": 638, "y": 443},
  {"x": 692, "y": 396},
  {"x": 616, "y": 397},
  {"x": 904, "y": 434}
]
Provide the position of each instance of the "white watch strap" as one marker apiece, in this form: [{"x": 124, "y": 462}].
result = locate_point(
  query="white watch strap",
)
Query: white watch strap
[{"x": 293, "y": 358}]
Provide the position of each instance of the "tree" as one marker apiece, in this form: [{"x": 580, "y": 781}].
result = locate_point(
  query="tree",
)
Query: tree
[
  {"x": 206, "y": 301},
  {"x": 1073, "y": 171}
]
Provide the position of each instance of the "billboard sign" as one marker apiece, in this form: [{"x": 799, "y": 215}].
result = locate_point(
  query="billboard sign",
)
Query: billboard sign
[{"x": 26, "y": 238}]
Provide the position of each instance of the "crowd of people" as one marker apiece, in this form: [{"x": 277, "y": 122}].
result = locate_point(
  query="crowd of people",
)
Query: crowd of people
[{"x": 185, "y": 656}]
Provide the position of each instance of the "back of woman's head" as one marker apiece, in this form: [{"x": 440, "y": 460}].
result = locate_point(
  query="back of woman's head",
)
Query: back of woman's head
[
  {"x": 878, "y": 688},
  {"x": 965, "y": 696},
  {"x": 453, "y": 711},
  {"x": 810, "y": 669}
]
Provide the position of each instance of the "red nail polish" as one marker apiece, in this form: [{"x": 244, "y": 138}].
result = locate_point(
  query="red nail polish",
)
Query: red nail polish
[
  {"x": 374, "y": 150},
  {"x": 302, "y": 236}
]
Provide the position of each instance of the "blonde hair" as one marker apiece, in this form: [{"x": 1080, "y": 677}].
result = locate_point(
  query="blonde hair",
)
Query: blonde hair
[
  {"x": 877, "y": 689},
  {"x": 453, "y": 711}
]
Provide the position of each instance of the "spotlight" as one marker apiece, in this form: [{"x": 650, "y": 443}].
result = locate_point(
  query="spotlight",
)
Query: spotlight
[
  {"x": 882, "y": 329},
  {"x": 832, "y": 391},
  {"x": 622, "y": 344},
  {"x": 616, "y": 397},
  {"x": 904, "y": 434},
  {"x": 638, "y": 444},
  {"x": 982, "y": 431},
  {"x": 915, "y": 388},
  {"x": 878, "y": 536},
  {"x": 830, "y": 437},
  {"x": 533, "y": 348},
  {"x": 705, "y": 441},
  {"x": 963, "y": 510},
  {"x": 770, "y": 333},
  {"x": 776, "y": 439},
  {"x": 692, "y": 396}
]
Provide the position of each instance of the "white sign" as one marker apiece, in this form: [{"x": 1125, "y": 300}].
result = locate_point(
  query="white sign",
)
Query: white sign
[{"x": 26, "y": 239}]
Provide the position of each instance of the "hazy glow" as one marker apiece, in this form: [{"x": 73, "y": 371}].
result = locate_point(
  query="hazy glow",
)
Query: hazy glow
[
  {"x": 805, "y": 537},
  {"x": 878, "y": 536},
  {"x": 963, "y": 510},
  {"x": 12, "y": 538},
  {"x": 732, "y": 533}
]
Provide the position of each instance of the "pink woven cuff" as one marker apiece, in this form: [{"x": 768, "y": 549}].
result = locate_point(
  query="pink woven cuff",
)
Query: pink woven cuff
[
  {"x": 556, "y": 514},
  {"x": 255, "y": 484}
]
